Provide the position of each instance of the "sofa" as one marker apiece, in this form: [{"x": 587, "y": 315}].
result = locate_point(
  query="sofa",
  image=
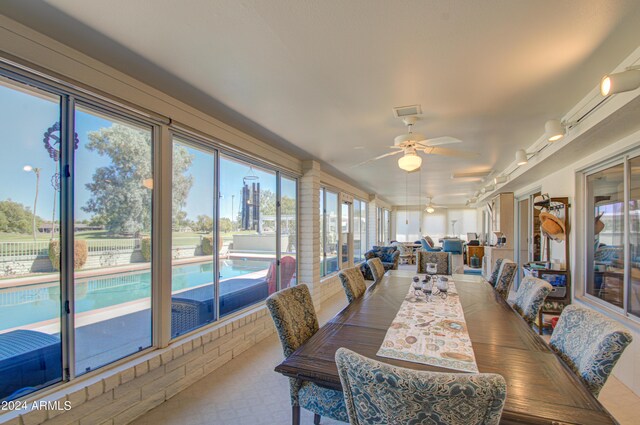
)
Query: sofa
[
  {"x": 389, "y": 255},
  {"x": 428, "y": 245}
]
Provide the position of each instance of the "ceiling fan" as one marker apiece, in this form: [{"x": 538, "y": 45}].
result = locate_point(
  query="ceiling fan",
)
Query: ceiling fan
[
  {"x": 431, "y": 207},
  {"x": 411, "y": 143}
]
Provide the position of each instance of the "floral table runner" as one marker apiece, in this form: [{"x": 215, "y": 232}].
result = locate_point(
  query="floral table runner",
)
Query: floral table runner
[{"x": 431, "y": 332}]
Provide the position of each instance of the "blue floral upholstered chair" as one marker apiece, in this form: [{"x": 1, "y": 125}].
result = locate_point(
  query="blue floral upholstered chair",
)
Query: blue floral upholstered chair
[
  {"x": 378, "y": 393},
  {"x": 353, "y": 283},
  {"x": 589, "y": 343},
  {"x": 530, "y": 297},
  {"x": 494, "y": 272},
  {"x": 505, "y": 278},
  {"x": 442, "y": 260},
  {"x": 295, "y": 319},
  {"x": 389, "y": 255},
  {"x": 377, "y": 268}
]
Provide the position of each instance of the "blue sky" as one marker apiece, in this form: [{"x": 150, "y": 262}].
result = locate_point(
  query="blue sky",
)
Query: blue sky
[{"x": 24, "y": 118}]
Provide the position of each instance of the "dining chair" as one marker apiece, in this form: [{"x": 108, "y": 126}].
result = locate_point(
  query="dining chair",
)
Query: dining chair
[
  {"x": 494, "y": 272},
  {"x": 505, "y": 277},
  {"x": 590, "y": 343},
  {"x": 353, "y": 282},
  {"x": 441, "y": 259},
  {"x": 377, "y": 268},
  {"x": 295, "y": 319},
  {"x": 378, "y": 393},
  {"x": 530, "y": 297}
]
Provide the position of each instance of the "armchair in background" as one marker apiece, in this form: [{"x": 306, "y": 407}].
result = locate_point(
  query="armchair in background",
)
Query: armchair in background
[
  {"x": 428, "y": 245},
  {"x": 389, "y": 255},
  {"x": 454, "y": 246}
]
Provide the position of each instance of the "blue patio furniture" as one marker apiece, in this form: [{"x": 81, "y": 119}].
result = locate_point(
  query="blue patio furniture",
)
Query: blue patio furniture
[
  {"x": 454, "y": 246},
  {"x": 389, "y": 255},
  {"x": 195, "y": 307},
  {"x": 429, "y": 247},
  {"x": 29, "y": 360}
]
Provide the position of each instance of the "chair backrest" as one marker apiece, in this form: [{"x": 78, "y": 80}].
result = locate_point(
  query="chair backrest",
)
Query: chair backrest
[
  {"x": 353, "y": 283},
  {"x": 295, "y": 317},
  {"x": 589, "y": 343},
  {"x": 505, "y": 278},
  {"x": 442, "y": 260},
  {"x": 530, "y": 297},
  {"x": 287, "y": 270},
  {"x": 377, "y": 268},
  {"x": 494, "y": 273},
  {"x": 378, "y": 393},
  {"x": 454, "y": 246}
]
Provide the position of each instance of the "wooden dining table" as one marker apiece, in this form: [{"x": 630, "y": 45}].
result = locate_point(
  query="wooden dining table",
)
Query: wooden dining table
[{"x": 541, "y": 389}]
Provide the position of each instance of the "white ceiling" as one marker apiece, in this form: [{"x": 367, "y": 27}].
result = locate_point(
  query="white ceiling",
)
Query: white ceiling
[{"x": 320, "y": 78}]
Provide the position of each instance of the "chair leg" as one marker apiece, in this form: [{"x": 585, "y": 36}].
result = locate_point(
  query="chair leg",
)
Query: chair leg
[
  {"x": 295, "y": 415},
  {"x": 316, "y": 419}
]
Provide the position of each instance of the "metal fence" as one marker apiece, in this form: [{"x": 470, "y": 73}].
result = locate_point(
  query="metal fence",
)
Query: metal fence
[{"x": 23, "y": 250}]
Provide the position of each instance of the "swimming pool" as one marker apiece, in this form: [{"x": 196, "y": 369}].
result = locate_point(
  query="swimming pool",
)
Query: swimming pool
[{"x": 37, "y": 303}]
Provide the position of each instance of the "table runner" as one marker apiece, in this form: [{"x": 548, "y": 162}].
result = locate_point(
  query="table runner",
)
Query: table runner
[{"x": 431, "y": 332}]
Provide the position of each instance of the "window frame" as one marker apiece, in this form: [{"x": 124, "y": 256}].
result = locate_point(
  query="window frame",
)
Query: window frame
[
  {"x": 588, "y": 253},
  {"x": 162, "y": 135}
]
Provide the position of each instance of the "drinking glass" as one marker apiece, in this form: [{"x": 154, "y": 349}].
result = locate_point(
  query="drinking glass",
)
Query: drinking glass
[
  {"x": 427, "y": 288},
  {"x": 416, "y": 285}
]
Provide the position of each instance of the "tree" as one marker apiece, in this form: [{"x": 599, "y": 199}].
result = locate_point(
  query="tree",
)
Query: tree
[
  {"x": 119, "y": 193},
  {"x": 225, "y": 225},
  {"x": 267, "y": 202},
  {"x": 204, "y": 224},
  {"x": 16, "y": 218}
]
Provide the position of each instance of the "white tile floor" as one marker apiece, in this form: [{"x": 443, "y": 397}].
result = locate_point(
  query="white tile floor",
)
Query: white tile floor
[{"x": 248, "y": 391}]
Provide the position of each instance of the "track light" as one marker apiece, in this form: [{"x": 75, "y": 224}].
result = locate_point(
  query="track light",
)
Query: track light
[
  {"x": 489, "y": 188},
  {"x": 554, "y": 130},
  {"x": 500, "y": 179},
  {"x": 620, "y": 82},
  {"x": 473, "y": 200},
  {"x": 521, "y": 157}
]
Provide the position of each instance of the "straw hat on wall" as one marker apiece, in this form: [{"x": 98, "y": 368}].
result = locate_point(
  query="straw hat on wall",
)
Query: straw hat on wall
[{"x": 552, "y": 226}]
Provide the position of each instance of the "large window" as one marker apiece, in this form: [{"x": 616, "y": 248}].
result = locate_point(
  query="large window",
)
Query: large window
[
  {"x": 345, "y": 232},
  {"x": 113, "y": 182},
  {"x": 289, "y": 232},
  {"x": 329, "y": 223},
  {"x": 359, "y": 230},
  {"x": 30, "y": 288},
  {"x": 248, "y": 231},
  {"x": 193, "y": 237},
  {"x": 613, "y": 201},
  {"x": 79, "y": 234}
]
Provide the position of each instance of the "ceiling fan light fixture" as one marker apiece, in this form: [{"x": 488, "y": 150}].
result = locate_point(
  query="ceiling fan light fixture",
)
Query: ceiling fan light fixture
[
  {"x": 554, "y": 129},
  {"x": 410, "y": 161},
  {"x": 430, "y": 209},
  {"x": 620, "y": 82},
  {"x": 521, "y": 157}
]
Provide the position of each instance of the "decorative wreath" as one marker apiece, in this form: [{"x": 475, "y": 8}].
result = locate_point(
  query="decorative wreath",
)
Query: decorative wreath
[{"x": 52, "y": 141}]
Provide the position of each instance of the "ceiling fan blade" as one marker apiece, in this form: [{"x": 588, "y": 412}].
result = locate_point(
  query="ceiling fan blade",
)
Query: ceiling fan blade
[
  {"x": 439, "y": 141},
  {"x": 377, "y": 158},
  {"x": 449, "y": 152}
]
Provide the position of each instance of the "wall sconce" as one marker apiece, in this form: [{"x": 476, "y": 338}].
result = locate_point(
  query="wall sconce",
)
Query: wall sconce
[{"x": 620, "y": 81}]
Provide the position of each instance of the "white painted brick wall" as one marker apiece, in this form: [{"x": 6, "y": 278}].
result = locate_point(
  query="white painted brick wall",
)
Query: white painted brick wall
[{"x": 120, "y": 395}]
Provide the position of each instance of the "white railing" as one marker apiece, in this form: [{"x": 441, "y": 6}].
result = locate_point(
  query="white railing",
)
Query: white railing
[
  {"x": 13, "y": 250},
  {"x": 21, "y": 249}
]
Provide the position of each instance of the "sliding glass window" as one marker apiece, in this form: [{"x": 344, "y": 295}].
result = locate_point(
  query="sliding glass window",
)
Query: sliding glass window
[
  {"x": 193, "y": 237},
  {"x": 112, "y": 231},
  {"x": 331, "y": 233},
  {"x": 30, "y": 291},
  {"x": 288, "y": 232},
  {"x": 248, "y": 247},
  {"x": 613, "y": 227}
]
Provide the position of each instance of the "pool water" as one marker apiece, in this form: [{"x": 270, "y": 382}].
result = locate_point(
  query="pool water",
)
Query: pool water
[{"x": 36, "y": 303}]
